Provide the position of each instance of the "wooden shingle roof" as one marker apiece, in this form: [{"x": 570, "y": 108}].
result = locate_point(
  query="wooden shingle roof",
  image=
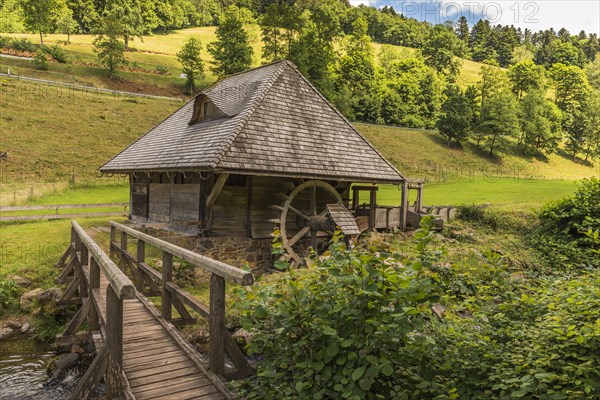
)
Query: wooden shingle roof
[{"x": 276, "y": 123}]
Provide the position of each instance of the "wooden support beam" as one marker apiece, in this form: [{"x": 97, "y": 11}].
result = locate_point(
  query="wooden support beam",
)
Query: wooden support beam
[
  {"x": 216, "y": 190},
  {"x": 217, "y": 324},
  {"x": 167, "y": 276},
  {"x": 372, "y": 208},
  {"x": 77, "y": 319},
  {"x": 141, "y": 257},
  {"x": 92, "y": 377},
  {"x": 404, "y": 205},
  {"x": 113, "y": 239},
  {"x": 123, "y": 248},
  {"x": 114, "y": 343}
]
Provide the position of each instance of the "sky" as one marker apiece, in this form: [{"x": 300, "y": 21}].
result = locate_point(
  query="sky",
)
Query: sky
[{"x": 574, "y": 15}]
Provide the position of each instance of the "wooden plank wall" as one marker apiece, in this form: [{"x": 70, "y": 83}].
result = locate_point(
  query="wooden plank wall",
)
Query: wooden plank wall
[
  {"x": 186, "y": 198},
  {"x": 229, "y": 212},
  {"x": 139, "y": 196},
  {"x": 159, "y": 201}
]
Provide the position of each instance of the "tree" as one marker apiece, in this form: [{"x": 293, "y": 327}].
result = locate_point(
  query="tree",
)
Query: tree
[
  {"x": 279, "y": 26},
  {"x": 189, "y": 57},
  {"x": 462, "y": 29},
  {"x": 498, "y": 118},
  {"x": 521, "y": 53},
  {"x": 231, "y": 51},
  {"x": 129, "y": 12},
  {"x": 492, "y": 80},
  {"x": 525, "y": 76},
  {"x": 107, "y": 44},
  {"x": 592, "y": 70},
  {"x": 64, "y": 21},
  {"x": 540, "y": 123},
  {"x": 439, "y": 51},
  {"x": 456, "y": 116},
  {"x": 356, "y": 67},
  {"x": 38, "y": 16},
  {"x": 85, "y": 14}
]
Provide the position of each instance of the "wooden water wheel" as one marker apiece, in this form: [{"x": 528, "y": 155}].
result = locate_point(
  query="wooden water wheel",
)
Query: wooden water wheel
[{"x": 306, "y": 203}]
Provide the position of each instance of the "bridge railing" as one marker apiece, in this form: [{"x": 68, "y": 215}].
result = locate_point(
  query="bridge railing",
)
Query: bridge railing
[
  {"x": 105, "y": 317},
  {"x": 152, "y": 283}
]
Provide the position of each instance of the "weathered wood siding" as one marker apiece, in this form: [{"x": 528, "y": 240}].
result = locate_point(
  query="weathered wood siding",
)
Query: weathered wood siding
[
  {"x": 229, "y": 212},
  {"x": 186, "y": 198},
  {"x": 159, "y": 202}
]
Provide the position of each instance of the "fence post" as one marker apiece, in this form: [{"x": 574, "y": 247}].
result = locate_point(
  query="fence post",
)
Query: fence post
[
  {"x": 217, "y": 324},
  {"x": 113, "y": 236},
  {"x": 83, "y": 289},
  {"x": 141, "y": 257},
  {"x": 93, "y": 319},
  {"x": 167, "y": 276},
  {"x": 114, "y": 342},
  {"x": 123, "y": 250}
]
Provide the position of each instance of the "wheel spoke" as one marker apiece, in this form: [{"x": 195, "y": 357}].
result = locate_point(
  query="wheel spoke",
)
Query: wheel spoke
[
  {"x": 300, "y": 213},
  {"x": 298, "y": 236},
  {"x": 313, "y": 236},
  {"x": 313, "y": 200}
]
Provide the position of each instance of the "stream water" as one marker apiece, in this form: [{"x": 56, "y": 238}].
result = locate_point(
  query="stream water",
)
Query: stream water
[{"x": 23, "y": 371}]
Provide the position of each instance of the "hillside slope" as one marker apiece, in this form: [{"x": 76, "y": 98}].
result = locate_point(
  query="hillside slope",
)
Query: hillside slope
[
  {"x": 150, "y": 53},
  {"x": 52, "y": 133}
]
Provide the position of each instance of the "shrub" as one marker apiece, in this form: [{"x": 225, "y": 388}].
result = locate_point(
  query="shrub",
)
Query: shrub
[
  {"x": 4, "y": 41},
  {"x": 56, "y": 52},
  {"x": 23, "y": 45},
  {"x": 563, "y": 224},
  {"x": 9, "y": 294},
  {"x": 352, "y": 327},
  {"x": 40, "y": 60},
  {"x": 161, "y": 69}
]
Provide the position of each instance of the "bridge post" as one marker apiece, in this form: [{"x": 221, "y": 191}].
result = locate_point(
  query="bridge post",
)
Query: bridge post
[
  {"x": 93, "y": 319},
  {"x": 123, "y": 250},
  {"x": 113, "y": 237},
  {"x": 141, "y": 257},
  {"x": 83, "y": 289},
  {"x": 167, "y": 277},
  {"x": 114, "y": 343},
  {"x": 217, "y": 324}
]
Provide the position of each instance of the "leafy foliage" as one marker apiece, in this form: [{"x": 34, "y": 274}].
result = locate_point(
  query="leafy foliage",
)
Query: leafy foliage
[
  {"x": 232, "y": 51},
  {"x": 193, "y": 67},
  {"x": 563, "y": 226},
  {"x": 346, "y": 329}
]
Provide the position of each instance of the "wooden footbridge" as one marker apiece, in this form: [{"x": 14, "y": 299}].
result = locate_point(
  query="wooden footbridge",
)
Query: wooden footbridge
[{"x": 139, "y": 352}]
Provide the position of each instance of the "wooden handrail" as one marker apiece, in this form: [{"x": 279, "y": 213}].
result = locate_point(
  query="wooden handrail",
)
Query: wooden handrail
[
  {"x": 161, "y": 284},
  {"x": 226, "y": 271},
  {"x": 120, "y": 283}
]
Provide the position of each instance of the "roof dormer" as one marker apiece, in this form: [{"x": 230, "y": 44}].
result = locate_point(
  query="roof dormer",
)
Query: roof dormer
[{"x": 205, "y": 110}]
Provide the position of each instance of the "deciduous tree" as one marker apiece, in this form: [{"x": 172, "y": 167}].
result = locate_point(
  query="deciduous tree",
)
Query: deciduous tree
[
  {"x": 189, "y": 57},
  {"x": 231, "y": 51},
  {"x": 38, "y": 16},
  {"x": 456, "y": 115}
]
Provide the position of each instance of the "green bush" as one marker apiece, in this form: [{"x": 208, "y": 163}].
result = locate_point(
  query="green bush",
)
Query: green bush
[
  {"x": 563, "y": 224},
  {"x": 56, "y": 52},
  {"x": 23, "y": 44},
  {"x": 353, "y": 327},
  {"x": 4, "y": 42},
  {"x": 161, "y": 69},
  {"x": 10, "y": 293},
  {"x": 40, "y": 60}
]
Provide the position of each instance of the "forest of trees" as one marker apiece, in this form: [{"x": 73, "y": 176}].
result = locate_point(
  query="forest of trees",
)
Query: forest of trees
[{"x": 539, "y": 88}]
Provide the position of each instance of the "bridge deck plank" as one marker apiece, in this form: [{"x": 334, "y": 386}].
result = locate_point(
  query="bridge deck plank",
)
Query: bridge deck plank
[{"x": 154, "y": 364}]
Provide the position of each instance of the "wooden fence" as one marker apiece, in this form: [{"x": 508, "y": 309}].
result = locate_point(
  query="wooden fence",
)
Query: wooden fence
[
  {"x": 152, "y": 283},
  {"x": 104, "y": 312},
  {"x": 57, "y": 215}
]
